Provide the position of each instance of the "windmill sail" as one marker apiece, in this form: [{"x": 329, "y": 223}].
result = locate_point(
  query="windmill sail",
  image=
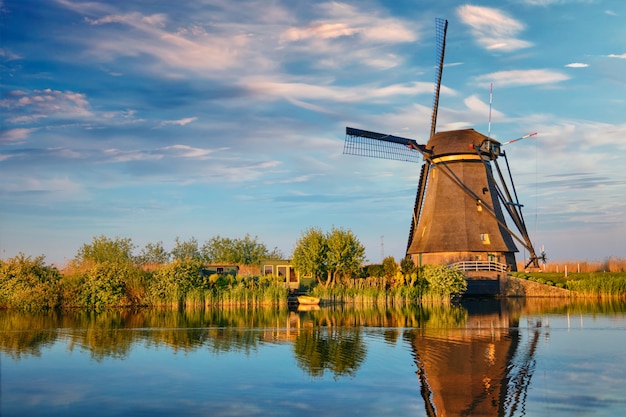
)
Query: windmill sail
[
  {"x": 442, "y": 30},
  {"x": 379, "y": 145}
]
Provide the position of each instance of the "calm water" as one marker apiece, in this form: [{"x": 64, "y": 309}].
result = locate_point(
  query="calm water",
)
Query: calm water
[{"x": 545, "y": 358}]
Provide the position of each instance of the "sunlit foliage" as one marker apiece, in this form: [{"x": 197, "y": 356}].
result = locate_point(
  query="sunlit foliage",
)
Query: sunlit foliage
[{"x": 27, "y": 283}]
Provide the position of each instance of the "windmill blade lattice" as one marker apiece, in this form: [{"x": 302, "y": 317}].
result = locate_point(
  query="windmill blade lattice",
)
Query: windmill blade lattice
[{"x": 377, "y": 145}]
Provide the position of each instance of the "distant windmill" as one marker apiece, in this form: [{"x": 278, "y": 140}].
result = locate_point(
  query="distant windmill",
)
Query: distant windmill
[{"x": 460, "y": 202}]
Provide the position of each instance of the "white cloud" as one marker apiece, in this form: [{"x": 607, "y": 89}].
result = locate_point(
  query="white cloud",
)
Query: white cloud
[
  {"x": 306, "y": 91},
  {"x": 15, "y": 135},
  {"x": 318, "y": 30},
  {"x": 185, "y": 151},
  {"x": 621, "y": 56},
  {"x": 252, "y": 37},
  {"x": 492, "y": 28},
  {"x": 478, "y": 107},
  {"x": 522, "y": 77},
  {"x": 7, "y": 53},
  {"x": 179, "y": 122},
  {"x": 117, "y": 155},
  {"x": 37, "y": 104},
  {"x": 577, "y": 65},
  {"x": 53, "y": 185}
]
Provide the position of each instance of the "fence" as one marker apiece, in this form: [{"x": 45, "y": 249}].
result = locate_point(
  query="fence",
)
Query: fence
[{"x": 480, "y": 266}]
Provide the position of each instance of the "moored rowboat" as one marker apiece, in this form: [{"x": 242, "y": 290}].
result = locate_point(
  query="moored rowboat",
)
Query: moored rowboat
[{"x": 308, "y": 300}]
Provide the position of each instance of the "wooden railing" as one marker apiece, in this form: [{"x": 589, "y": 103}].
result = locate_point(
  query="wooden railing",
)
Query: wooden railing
[{"x": 480, "y": 266}]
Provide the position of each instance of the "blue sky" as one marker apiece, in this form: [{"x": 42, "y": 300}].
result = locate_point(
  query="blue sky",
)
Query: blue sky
[{"x": 158, "y": 119}]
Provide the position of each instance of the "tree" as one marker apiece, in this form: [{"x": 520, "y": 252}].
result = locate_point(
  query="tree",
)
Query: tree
[
  {"x": 153, "y": 253},
  {"x": 246, "y": 251},
  {"x": 328, "y": 255},
  {"x": 186, "y": 250},
  {"x": 390, "y": 269},
  {"x": 249, "y": 251},
  {"x": 310, "y": 253},
  {"x": 218, "y": 250},
  {"x": 345, "y": 254},
  {"x": 104, "y": 249},
  {"x": 407, "y": 266}
]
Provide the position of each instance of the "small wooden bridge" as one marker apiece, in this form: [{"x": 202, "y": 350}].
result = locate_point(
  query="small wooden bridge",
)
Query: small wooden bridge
[{"x": 484, "y": 278}]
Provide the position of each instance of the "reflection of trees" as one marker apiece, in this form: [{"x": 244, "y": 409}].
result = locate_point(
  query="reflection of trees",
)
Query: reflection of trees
[
  {"x": 339, "y": 349},
  {"x": 322, "y": 337},
  {"x": 16, "y": 342},
  {"x": 112, "y": 333}
]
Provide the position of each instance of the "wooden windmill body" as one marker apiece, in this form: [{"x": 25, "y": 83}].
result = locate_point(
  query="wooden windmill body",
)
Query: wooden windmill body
[{"x": 461, "y": 199}]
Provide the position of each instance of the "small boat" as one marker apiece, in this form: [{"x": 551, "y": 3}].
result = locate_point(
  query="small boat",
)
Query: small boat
[{"x": 308, "y": 300}]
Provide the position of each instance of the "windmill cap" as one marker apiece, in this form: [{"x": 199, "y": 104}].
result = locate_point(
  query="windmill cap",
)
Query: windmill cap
[{"x": 458, "y": 142}]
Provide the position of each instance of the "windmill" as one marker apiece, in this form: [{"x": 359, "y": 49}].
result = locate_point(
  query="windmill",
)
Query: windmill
[{"x": 461, "y": 199}]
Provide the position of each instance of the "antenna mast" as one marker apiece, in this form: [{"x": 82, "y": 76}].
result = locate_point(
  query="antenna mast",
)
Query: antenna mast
[
  {"x": 490, "y": 102},
  {"x": 442, "y": 29}
]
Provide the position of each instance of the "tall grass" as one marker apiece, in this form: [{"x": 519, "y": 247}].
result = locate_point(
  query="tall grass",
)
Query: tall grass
[
  {"x": 599, "y": 285},
  {"x": 378, "y": 295}
]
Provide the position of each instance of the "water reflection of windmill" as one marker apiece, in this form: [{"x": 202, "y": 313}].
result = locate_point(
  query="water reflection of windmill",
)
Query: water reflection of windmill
[
  {"x": 458, "y": 215},
  {"x": 482, "y": 369}
]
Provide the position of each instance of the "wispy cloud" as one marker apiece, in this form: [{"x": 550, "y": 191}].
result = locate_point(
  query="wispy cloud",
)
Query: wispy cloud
[
  {"x": 117, "y": 155},
  {"x": 15, "y": 135},
  {"x": 252, "y": 37},
  {"x": 323, "y": 91},
  {"x": 344, "y": 20},
  {"x": 7, "y": 54},
  {"x": 30, "y": 106},
  {"x": 577, "y": 65},
  {"x": 554, "y": 2},
  {"x": 522, "y": 77},
  {"x": 492, "y": 28},
  {"x": 620, "y": 56},
  {"x": 179, "y": 122},
  {"x": 185, "y": 151},
  {"x": 54, "y": 185}
]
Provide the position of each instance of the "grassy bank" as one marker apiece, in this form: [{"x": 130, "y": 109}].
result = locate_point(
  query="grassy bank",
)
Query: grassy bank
[{"x": 585, "y": 284}]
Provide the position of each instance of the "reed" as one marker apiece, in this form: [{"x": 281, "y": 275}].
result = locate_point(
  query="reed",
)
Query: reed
[
  {"x": 378, "y": 295},
  {"x": 599, "y": 285}
]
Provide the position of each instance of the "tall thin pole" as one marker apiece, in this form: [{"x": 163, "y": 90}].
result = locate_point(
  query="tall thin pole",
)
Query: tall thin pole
[{"x": 490, "y": 103}]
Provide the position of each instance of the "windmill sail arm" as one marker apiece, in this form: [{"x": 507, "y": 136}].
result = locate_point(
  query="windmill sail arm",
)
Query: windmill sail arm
[
  {"x": 410, "y": 143},
  {"x": 379, "y": 145}
]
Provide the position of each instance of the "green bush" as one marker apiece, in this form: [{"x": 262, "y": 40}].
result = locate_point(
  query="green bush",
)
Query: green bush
[
  {"x": 106, "y": 283},
  {"x": 29, "y": 284},
  {"x": 172, "y": 282},
  {"x": 443, "y": 280}
]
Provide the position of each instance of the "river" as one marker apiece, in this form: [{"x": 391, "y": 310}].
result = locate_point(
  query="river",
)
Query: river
[{"x": 534, "y": 357}]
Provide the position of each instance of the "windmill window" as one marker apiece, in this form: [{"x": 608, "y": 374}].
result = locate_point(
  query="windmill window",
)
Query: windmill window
[{"x": 484, "y": 237}]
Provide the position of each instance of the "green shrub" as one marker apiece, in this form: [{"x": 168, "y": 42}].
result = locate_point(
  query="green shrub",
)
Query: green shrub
[
  {"x": 443, "y": 280},
  {"x": 105, "y": 285},
  {"x": 28, "y": 283}
]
